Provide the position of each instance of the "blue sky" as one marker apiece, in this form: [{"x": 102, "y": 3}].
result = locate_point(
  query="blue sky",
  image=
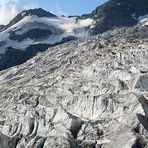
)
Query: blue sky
[
  {"x": 10, "y": 8},
  {"x": 68, "y": 7}
]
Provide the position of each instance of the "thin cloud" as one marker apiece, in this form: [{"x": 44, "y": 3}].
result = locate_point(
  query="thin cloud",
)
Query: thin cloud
[{"x": 8, "y": 9}]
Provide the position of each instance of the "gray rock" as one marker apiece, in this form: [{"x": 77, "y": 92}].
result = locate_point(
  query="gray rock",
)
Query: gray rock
[{"x": 78, "y": 94}]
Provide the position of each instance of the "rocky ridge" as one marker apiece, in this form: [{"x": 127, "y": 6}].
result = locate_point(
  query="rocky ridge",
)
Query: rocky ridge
[{"x": 118, "y": 13}]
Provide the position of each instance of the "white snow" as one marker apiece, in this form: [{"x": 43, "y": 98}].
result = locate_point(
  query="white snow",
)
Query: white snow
[
  {"x": 67, "y": 24},
  {"x": 140, "y": 18},
  {"x": 61, "y": 27},
  {"x": 143, "y": 20}
]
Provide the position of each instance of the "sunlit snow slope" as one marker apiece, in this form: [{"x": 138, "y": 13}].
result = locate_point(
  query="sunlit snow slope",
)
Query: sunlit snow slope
[{"x": 33, "y": 33}]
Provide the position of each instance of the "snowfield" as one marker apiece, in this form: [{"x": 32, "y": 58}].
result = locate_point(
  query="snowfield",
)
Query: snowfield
[{"x": 61, "y": 27}]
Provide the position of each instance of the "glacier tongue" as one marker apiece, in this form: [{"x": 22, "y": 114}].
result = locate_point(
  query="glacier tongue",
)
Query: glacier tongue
[{"x": 86, "y": 93}]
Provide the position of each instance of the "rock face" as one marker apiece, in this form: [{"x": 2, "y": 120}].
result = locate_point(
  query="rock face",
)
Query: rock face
[
  {"x": 82, "y": 94},
  {"x": 118, "y": 13}
]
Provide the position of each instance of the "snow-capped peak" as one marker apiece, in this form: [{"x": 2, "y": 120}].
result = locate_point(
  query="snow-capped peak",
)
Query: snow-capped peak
[{"x": 31, "y": 31}]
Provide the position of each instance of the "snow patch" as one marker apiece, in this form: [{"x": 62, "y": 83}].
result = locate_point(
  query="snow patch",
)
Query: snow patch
[
  {"x": 143, "y": 20},
  {"x": 140, "y": 18}
]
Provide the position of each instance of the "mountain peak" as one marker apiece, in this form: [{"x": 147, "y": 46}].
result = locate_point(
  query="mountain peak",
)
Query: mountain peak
[{"x": 38, "y": 12}]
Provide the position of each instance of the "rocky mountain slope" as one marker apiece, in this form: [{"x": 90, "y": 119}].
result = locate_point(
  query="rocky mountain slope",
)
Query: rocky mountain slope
[
  {"x": 118, "y": 13},
  {"x": 90, "y": 92}
]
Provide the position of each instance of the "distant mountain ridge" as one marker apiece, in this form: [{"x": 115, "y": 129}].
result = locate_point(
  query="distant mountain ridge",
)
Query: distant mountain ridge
[
  {"x": 35, "y": 30},
  {"x": 38, "y": 12}
]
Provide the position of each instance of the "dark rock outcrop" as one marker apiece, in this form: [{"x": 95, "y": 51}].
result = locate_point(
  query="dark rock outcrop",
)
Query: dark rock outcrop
[{"x": 118, "y": 13}]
